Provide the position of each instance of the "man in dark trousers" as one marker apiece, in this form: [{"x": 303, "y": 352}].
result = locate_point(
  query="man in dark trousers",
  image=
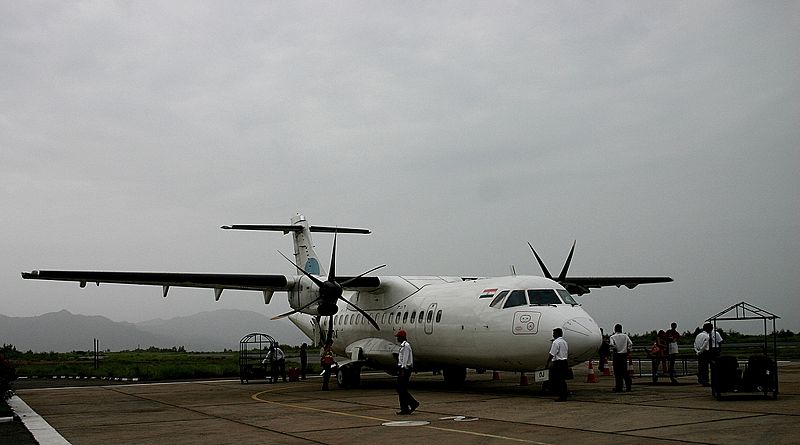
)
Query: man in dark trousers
[
  {"x": 621, "y": 346},
  {"x": 303, "y": 360},
  {"x": 558, "y": 365},
  {"x": 405, "y": 363}
]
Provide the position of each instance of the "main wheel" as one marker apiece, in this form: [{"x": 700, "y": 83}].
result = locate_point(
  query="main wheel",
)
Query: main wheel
[
  {"x": 348, "y": 377},
  {"x": 454, "y": 376}
]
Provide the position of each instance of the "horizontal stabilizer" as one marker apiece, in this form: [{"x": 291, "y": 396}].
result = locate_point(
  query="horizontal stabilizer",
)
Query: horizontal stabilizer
[{"x": 295, "y": 228}]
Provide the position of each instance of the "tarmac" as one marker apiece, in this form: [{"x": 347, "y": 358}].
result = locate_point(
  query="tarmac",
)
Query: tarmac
[{"x": 489, "y": 409}]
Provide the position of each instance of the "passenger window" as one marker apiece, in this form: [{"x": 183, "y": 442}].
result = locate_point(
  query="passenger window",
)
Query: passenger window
[
  {"x": 516, "y": 298},
  {"x": 543, "y": 296},
  {"x": 566, "y": 296},
  {"x": 405, "y": 317},
  {"x": 397, "y": 318},
  {"x": 430, "y": 317},
  {"x": 413, "y": 317},
  {"x": 421, "y": 314},
  {"x": 439, "y": 316},
  {"x": 496, "y": 301}
]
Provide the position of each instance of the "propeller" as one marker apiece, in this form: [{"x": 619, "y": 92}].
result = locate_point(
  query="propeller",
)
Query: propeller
[
  {"x": 330, "y": 292},
  {"x": 562, "y": 277}
]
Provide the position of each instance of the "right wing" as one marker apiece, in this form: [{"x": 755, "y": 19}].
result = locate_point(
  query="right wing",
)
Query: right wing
[{"x": 581, "y": 285}]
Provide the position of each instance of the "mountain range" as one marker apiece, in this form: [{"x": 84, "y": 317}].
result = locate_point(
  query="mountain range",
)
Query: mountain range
[{"x": 217, "y": 330}]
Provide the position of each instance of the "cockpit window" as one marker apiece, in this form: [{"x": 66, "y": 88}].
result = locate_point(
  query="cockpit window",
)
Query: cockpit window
[
  {"x": 566, "y": 296},
  {"x": 497, "y": 299},
  {"x": 543, "y": 296},
  {"x": 516, "y": 298}
]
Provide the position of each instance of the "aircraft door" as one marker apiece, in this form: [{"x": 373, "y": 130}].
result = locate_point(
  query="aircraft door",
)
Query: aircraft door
[{"x": 430, "y": 316}]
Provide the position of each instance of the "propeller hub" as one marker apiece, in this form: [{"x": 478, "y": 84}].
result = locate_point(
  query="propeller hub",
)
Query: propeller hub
[{"x": 327, "y": 309}]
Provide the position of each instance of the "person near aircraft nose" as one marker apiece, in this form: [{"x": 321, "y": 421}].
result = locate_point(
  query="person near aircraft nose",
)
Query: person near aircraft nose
[
  {"x": 621, "y": 346},
  {"x": 405, "y": 364},
  {"x": 326, "y": 360},
  {"x": 558, "y": 365}
]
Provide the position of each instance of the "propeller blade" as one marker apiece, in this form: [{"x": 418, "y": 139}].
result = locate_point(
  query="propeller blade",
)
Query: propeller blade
[
  {"x": 563, "y": 275},
  {"x": 330, "y": 329},
  {"x": 316, "y": 280},
  {"x": 344, "y": 283},
  {"x": 332, "y": 271},
  {"x": 361, "y": 311},
  {"x": 277, "y": 317},
  {"x": 541, "y": 263}
]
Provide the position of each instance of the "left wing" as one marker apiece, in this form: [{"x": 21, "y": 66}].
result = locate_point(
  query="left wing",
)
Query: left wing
[
  {"x": 582, "y": 285},
  {"x": 267, "y": 284}
]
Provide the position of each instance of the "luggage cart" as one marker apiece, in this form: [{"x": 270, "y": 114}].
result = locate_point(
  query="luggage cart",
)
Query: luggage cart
[
  {"x": 253, "y": 353},
  {"x": 760, "y": 372}
]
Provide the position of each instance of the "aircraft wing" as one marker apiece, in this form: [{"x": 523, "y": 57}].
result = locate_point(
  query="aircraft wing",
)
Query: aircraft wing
[
  {"x": 582, "y": 285},
  {"x": 265, "y": 283},
  {"x": 257, "y": 282}
]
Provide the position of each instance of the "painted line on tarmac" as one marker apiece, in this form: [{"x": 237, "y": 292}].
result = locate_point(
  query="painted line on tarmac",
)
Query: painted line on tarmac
[{"x": 257, "y": 397}]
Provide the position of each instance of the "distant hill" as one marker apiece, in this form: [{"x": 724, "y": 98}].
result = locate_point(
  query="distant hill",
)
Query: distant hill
[
  {"x": 207, "y": 331},
  {"x": 221, "y": 329}
]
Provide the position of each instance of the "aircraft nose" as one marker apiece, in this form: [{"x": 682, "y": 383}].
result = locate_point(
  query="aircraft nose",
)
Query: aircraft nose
[{"x": 583, "y": 337}]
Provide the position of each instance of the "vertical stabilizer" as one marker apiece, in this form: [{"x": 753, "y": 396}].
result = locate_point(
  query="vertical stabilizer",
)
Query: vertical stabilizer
[{"x": 304, "y": 254}]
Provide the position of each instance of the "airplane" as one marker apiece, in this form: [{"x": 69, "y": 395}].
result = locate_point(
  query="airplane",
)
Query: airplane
[{"x": 454, "y": 323}]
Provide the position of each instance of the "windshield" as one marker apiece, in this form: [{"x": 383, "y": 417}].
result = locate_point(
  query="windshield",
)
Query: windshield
[
  {"x": 543, "y": 296},
  {"x": 566, "y": 296}
]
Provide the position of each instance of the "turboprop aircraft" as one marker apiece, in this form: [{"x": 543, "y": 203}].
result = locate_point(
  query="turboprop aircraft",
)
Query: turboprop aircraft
[{"x": 454, "y": 323}]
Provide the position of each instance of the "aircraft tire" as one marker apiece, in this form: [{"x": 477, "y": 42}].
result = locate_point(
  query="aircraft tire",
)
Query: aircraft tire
[
  {"x": 348, "y": 377},
  {"x": 454, "y": 376}
]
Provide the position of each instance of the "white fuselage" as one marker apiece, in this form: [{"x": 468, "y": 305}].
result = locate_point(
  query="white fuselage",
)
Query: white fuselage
[{"x": 450, "y": 322}]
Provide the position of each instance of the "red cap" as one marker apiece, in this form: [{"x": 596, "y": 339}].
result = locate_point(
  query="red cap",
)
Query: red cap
[{"x": 400, "y": 333}]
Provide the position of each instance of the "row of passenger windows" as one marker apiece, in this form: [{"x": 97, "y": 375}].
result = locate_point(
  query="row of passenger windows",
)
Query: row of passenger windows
[
  {"x": 513, "y": 298},
  {"x": 392, "y": 317}
]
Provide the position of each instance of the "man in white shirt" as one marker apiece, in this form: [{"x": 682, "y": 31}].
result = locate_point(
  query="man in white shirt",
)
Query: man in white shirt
[
  {"x": 559, "y": 352},
  {"x": 621, "y": 346},
  {"x": 706, "y": 346},
  {"x": 405, "y": 363},
  {"x": 278, "y": 361}
]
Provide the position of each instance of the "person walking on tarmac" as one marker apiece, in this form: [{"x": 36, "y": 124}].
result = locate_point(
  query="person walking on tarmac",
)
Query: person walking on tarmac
[
  {"x": 405, "y": 364},
  {"x": 326, "y": 360},
  {"x": 621, "y": 346}
]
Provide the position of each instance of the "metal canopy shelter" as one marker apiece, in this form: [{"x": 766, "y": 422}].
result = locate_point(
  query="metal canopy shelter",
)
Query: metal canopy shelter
[
  {"x": 761, "y": 372},
  {"x": 746, "y": 311}
]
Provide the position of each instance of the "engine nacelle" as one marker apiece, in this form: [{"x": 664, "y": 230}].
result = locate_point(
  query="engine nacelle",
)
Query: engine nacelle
[{"x": 304, "y": 294}]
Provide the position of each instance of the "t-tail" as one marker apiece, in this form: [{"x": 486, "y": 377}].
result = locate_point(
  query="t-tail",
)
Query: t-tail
[{"x": 304, "y": 254}]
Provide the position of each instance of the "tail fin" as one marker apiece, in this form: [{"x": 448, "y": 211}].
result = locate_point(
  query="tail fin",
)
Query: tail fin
[{"x": 304, "y": 253}]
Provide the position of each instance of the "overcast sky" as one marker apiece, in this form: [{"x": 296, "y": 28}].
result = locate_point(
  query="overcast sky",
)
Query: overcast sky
[{"x": 662, "y": 136}]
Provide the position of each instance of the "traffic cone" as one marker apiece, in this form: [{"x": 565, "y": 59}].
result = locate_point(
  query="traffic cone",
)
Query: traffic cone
[
  {"x": 495, "y": 375},
  {"x": 523, "y": 380},
  {"x": 591, "y": 377},
  {"x": 606, "y": 368}
]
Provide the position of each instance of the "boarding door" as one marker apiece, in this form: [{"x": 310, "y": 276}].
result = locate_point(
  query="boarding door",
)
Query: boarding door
[{"x": 429, "y": 318}]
